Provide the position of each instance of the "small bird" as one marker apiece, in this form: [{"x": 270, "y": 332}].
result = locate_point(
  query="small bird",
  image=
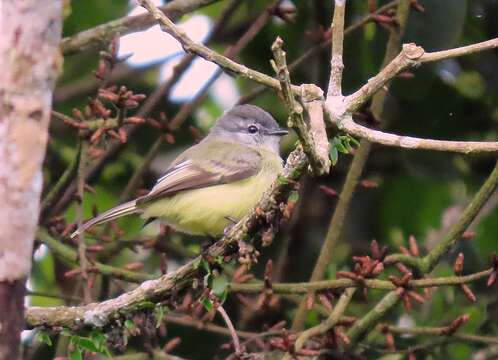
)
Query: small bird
[{"x": 215, "y": 181}]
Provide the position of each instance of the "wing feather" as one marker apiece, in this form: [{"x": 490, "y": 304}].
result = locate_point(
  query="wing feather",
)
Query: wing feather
[{"x": 226, "y": 163}]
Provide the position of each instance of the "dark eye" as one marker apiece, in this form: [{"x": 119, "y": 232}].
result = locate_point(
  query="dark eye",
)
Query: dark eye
[{"x": 252, "y": 129}]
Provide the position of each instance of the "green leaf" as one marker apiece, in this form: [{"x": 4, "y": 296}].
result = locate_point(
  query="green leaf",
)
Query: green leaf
[
  {"x": 87, "y": 344},
  {"x": 205, "y": 264},
  {"x": 219, "y": 285},
  {"x": 207, "y": 303},
  {"x": 282, "y": 180},
  {"x": 334, "y": 155},
  {"x": 76, "y": 354},
  {"x": 159, "y": 313},
  {"x": 43, "y": 337},
  {"x": 294, "y": 196},
  {"x": 129, "y": 324}
]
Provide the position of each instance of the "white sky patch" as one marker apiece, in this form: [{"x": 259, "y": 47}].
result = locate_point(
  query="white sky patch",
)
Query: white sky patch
[
  {"x": 192, "y": 80},
  {"x": 225, "y": 91},
  {"x": 154, "y": 45}
]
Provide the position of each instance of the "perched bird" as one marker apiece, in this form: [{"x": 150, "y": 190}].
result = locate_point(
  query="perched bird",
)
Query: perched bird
[{"x": 215, "y": 181}]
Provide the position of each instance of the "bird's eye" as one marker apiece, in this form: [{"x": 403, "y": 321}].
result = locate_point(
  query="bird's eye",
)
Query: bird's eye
[{"x": 252, "y": 129}]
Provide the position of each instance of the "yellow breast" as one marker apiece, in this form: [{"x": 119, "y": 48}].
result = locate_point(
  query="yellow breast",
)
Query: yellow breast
[{"x": 204, "y": 211}]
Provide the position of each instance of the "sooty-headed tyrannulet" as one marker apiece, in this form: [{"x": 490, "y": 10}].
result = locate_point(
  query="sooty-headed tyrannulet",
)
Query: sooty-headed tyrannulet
[{"x": 219, "y": 179}]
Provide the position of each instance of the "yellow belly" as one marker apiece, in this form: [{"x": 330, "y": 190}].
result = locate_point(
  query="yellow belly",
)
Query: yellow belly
[{"x": 204, "y": 211}]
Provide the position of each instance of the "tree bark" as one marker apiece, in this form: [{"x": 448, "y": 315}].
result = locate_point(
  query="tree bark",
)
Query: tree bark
[{"x": 30, "y": 32}]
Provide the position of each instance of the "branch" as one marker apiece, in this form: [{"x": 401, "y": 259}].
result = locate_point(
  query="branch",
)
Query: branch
[
  {"x": 338, "y": 218},
  {"x": 410, "y": 56},
  {"x": 406, "y": 142},
  {"x": 99, "y": 314},
  {"x": 329, "y": 323},
  {"x": 192, "y": 47},
  {"x": 302, "y": 59},
  {"x": 101, "y": 35},
  {"x": 307, "y": 287},
  {"x": 456, "y": 231},
  {"x": 70, "y": 256},
  {"x": 336, "y": 63},
  {"x": 368, "y": 321},
  {"x": 318, "y": 156},
  {"x": 390, "y": 300}
]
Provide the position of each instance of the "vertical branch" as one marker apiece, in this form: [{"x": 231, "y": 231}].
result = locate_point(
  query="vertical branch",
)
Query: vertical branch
[
  {"x": 336, "y": 63},
  {"x": 356, "y": 169},
  {"x": 319, "y": 160},
  {"x": 80, "y": 192},
  {"x": 30, "y": 62}
]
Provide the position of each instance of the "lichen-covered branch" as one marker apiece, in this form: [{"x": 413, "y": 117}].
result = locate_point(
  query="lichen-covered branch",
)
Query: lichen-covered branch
[
  {"x": 318, "y": 155},
  {"x": 407, "y": 142},
  {"x": 336, "y": 62}
]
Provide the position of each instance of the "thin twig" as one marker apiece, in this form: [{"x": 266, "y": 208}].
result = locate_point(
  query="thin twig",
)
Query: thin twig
[
  {"x": 327, "y": 324},
  {"x": 192, "y": 47},
  {"x": 303, "y": 58},
  {"x": 307, "y": 287},
  {"x": 84, "y": 263},
  {"x": 231, "y": 328}
]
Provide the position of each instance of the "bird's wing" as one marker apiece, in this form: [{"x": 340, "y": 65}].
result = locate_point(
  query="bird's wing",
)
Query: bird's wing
[{"x": 206, "y": 164}]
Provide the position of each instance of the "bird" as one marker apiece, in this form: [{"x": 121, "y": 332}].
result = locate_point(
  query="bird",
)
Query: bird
[{"x": 215, "y": 182}]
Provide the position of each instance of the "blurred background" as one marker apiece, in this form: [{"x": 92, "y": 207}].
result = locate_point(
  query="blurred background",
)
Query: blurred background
[{"x": 402, "y": 193}]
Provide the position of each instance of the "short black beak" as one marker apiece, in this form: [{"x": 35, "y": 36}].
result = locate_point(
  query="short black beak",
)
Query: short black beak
[{"x": 278, "y": 132}]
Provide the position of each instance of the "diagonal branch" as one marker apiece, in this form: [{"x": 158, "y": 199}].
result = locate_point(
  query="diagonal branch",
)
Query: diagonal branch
[
  {"x": 203, "y": 51},
  {"x": 410, "y": 56},
  {"x": 103, "y": 34}
]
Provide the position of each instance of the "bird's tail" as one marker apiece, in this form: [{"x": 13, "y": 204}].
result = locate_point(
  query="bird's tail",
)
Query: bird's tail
[{"x": 127, "y": 208}]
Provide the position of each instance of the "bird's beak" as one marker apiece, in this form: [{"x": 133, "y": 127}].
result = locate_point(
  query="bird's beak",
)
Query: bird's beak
[{"x": 278, "y": 132}]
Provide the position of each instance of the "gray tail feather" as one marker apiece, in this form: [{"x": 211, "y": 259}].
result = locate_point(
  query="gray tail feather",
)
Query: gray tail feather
[{"x": 127, "y": 208}]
